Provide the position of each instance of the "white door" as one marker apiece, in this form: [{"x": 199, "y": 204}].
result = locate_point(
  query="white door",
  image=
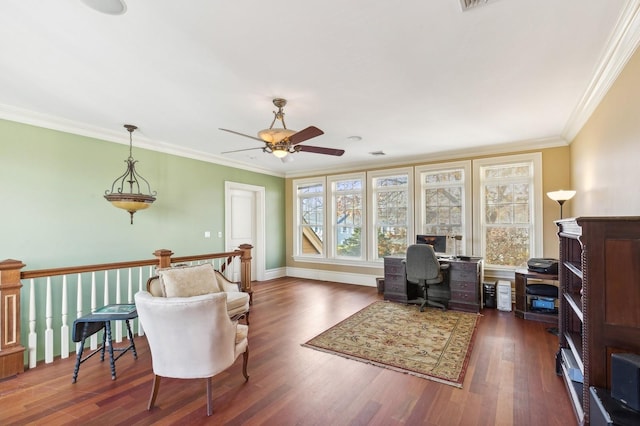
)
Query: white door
[{"x": 244, "y": 217}]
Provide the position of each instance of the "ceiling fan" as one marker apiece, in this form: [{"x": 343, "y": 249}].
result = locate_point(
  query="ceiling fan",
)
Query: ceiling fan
[{"x": 282, "y": 141}]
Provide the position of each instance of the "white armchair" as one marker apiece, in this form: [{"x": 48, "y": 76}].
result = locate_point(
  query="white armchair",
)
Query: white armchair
[
  {"x": 191, "y": 337},
  {"x": 184, "y": 281}
]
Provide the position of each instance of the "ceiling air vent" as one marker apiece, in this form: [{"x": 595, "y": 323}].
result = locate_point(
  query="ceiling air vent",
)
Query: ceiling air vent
[{"x": 470, "y": 4}]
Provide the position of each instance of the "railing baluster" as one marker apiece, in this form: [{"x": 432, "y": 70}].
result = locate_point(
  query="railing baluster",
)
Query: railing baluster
[
  {"x": 106, "y": 288},
  {"x": 130, "y": 287},
  {"x": 79, "y": 304},
  {"x": 64, "y": 329},
  {"x": 48, "y": 333},
  {"x": 118, "y": 324},
  {"x": 33, "y": 336},
  {"x": 94, "y": 306}
]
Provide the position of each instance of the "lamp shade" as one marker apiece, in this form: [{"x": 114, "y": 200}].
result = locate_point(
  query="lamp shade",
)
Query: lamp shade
[
  {"x": 275, "y": 135},
  {"x": 561, "y": 195}
]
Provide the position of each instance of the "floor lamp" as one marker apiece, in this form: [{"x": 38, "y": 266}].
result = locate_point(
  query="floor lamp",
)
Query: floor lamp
[{"x": 561, "y": 196}]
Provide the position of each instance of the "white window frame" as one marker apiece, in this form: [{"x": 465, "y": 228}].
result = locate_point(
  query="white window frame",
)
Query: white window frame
[
  {"x": 536, "y": 244},
  {"x": 297, "y": 247},
  {"x": 372, "y": 249},
  {"x": 332, "y": 249},
  {"x": 467, "y": 210}
]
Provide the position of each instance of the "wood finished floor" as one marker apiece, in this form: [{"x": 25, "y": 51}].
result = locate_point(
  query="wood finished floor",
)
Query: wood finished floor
[{"x": 510, "y": 379}]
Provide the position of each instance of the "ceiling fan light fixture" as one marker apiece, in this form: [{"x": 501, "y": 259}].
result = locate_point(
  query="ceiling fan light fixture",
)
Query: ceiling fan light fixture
[
  {"x": 280, "y": 153},
  {"x": 127, "y": 189},
  {"x": 276, "y": 135}
]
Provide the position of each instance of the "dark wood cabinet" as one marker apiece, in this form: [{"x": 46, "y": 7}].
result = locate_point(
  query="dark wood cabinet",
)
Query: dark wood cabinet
[
  {"x": 464, "y": 282},
  {"x": 524, "y": 277},
  {"x": 395, "y": 279},
  {"x": 464, "y": 277},
  {"x": 599, "y": 314}
]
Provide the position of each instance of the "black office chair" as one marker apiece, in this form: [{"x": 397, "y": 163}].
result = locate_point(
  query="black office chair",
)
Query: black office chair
[{"x": 423, "y": 269}]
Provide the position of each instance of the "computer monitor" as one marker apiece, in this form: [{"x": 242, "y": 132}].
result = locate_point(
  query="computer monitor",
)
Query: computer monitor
[{"x": 439, "y": 242}]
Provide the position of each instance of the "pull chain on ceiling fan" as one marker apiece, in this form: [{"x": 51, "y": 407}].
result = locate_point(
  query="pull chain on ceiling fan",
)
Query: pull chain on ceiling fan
[{"x": 282, "y": 141}]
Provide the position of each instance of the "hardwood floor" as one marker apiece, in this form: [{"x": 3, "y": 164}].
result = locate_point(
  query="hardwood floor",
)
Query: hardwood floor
[{"x": 510, "y": 379}]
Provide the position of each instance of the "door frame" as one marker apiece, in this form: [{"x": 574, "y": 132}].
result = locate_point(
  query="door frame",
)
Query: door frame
[{"x": 257, "y": 254}]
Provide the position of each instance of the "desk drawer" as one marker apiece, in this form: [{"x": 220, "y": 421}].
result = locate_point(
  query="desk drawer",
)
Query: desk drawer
[
  {"x": 394, "y": 269},
  {"x": 462, "y": 285},
  {"x": 464, "y": 296},
  {"x": 394, "y": 284},
  {"x": 463, "y": 274}
]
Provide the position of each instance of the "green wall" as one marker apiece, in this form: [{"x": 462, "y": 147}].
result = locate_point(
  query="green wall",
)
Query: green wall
[{"x": 53, "y": 212}]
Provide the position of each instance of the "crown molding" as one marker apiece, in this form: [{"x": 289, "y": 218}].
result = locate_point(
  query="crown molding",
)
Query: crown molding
[
  {"x": 623, "y": 42},
  {"x": 47, "y": 121},
  {"x": 504, "y": 148}
]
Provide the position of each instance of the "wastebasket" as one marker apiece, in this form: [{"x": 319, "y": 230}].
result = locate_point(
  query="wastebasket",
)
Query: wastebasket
[{"x": 489, "y": 294}]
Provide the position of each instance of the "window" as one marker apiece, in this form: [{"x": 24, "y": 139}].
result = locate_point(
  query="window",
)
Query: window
[
  {"x": 347, "y": 216},
  {"x": 391, "y": 212},
  {"x": 309, "y": 217},
  {"x": 508, "y": 209},
  {"x": 444, "y": 203}
]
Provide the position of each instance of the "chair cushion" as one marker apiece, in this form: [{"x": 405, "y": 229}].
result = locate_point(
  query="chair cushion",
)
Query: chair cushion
[{"x": 189, "y": 281}]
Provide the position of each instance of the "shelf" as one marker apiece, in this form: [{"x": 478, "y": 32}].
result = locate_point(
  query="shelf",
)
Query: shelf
[
  {"x": 574, "y": 267},
  {"x": 575, "y": 343},
  {"x": 575, "y": 394},
  {"x": 575, "y": 303}
]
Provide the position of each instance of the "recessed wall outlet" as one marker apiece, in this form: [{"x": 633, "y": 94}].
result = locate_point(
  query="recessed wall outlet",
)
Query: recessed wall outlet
[
  {"x": 207, "y": 234},
  {"x": 219, "y": 234}
]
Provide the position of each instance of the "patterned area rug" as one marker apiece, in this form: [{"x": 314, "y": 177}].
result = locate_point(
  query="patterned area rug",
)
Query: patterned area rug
[{"x": 433, "y": 344}]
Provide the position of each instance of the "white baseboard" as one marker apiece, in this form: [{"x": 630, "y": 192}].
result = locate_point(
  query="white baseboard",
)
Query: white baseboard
[
  {"x": 271, "y": 274},
  {"x": 339, "y": 277}
]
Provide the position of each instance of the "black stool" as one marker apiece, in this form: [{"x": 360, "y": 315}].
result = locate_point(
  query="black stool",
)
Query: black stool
[{"x": 88, "y": 325}]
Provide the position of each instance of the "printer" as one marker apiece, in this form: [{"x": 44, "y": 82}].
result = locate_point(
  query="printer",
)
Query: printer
[{"x": 543, "y": 265}]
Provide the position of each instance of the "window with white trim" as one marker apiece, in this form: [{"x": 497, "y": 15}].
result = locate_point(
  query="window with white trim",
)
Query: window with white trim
[
  {"x": 309, "y": 217},
  {"x": 508, "y": 209},
  {"x": 347, "y": 219},
  {"x": 391, "y": 212},
  {"x": 443, "y": 197}
]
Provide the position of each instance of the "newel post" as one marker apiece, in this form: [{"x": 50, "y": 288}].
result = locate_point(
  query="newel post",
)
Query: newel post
[
  {"x": 11, "y": 351},
  {"x": 164, "y": 257},
  {"x": 245, "y": 270}
]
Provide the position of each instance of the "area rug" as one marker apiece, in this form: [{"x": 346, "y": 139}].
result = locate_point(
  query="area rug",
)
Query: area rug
[{"x": 433, "y": 344}]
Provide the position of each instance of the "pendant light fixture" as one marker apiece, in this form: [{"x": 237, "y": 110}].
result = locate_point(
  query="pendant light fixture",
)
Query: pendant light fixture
[{"x": 125, "y": 191}]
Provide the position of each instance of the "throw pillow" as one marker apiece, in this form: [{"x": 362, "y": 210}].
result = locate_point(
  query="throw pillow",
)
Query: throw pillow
[{"x": 189, "y": 281}]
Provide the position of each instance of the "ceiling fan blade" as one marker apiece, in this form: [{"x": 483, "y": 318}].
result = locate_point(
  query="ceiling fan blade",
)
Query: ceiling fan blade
[
  {"x": 239, "y": 150},
  {"x": 320, "y": 150},
  {"x": 241, "y": 134},
  {"x": 305, "y": 134}
]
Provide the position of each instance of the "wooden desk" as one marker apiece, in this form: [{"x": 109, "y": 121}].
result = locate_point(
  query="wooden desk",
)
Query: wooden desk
[
  {"x": 522, "y": 298},
  {"x": 464, "y": 283}
]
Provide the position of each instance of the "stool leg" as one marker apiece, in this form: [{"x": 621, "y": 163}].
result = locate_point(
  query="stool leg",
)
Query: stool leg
[
  {"x": 79, "y": 351},
  {"x": 104, "y": 342},
  {"x": 131, "y": 342},
  {"x": 107, "y": 325}
]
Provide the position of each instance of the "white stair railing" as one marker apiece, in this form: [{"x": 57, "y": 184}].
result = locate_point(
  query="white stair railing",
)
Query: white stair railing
[{"x": 51, "y": 295}]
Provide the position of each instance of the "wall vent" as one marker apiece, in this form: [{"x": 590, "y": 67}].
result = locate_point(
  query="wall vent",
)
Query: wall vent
[
  {"x": 377, "y": 153},
  {"x": 470, "y": 4}
]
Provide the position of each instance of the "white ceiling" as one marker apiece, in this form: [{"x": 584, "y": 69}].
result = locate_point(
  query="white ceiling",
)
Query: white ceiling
[{"x": 416, "y": 79}]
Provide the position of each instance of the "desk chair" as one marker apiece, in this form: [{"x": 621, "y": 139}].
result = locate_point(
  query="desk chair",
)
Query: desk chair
[{"x": 423, "y": 268}]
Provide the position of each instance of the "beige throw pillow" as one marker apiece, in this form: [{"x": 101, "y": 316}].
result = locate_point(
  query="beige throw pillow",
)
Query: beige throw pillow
[{"x": 189, "y": 281}]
